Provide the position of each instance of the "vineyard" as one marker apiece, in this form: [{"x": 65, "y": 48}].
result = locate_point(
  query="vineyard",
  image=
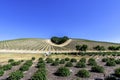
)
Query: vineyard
[
  {"x": 61, "y": 69},
  {"x": 17, "y": 62},
  {"x": 45, "y": 45}
]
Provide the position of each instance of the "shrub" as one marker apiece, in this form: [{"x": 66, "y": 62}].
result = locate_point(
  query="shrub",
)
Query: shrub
[
  {"x": 82, "y": 60},
  {"x": 117, "y": 72},
  {"x": 117, "y": 61},
  {"x": 7, "y": 67},
  {"x": 28, "y": 62},
  {"x": 69, "y": 64},
  {"x": 17, "y": 75},
  {"x": 11, "y": 60},
  {"x": 73, "y": 60},
  {"x": 80, "y": 65},
  {"x": 21, "y": 60},
  {"x": 67, "y": 59},
  {"x": 15, "y": 63},
  {"x": 57, "y": 59},
  {"x": 110, "y": 78},
  {"x": 105, "y": 59},
  {"x": 40, "y": 59},
  {"x": 40, "y": 75},
  {"x": 98, "y": 69},
  {"x": 63, "y": 71},
  {"x": 26, "y": 65},
  {"x": 49, "y": 60},
  {"x": 111, "y": 59},
  {"x": 24, "y": 68},
  {"x": 1, "y": 72},
  {"x": 33, "y": 58},
  {"x": 41, "y": 65},
  {"x": 83, "y": 73},
  {"x": 110, "y": 63},
  {"x": 55, "y": 63},
  {"x": 92, "y": 62},
  {"x": 62, "y": 61}
]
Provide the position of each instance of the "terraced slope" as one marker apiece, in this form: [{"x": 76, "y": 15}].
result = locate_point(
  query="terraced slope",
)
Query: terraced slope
[{"x": 45, "y": 45}]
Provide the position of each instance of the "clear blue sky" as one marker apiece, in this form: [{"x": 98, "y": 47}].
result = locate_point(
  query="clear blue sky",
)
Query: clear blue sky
[{"x": 87, "y": 19}]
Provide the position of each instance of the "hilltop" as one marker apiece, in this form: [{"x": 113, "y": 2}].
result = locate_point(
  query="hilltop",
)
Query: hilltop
[{"x": 45, "y": 45}]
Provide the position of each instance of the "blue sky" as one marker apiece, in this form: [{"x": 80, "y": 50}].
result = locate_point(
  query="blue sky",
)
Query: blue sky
[{"x": 87, "y": 19}]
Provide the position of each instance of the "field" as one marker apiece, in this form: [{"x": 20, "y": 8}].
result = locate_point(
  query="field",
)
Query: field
[
  {"x": 29, "y": 45},
  {"x": 4, "y": 57},
  {"x": 28, "y": 59},
  {"x": 51, "y": 69}
]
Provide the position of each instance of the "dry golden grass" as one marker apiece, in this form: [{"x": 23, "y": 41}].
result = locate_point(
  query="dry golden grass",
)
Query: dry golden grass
[
  {"x": 62, "y": 56},
  {"x": 4, "y": 57}
]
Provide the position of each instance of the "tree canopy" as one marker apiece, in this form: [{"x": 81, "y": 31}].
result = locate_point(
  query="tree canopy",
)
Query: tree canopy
[
  {"x": 59, "y": 40},
  {"x": 81, "y": 47},
  {"x": 99, "y": 48}
]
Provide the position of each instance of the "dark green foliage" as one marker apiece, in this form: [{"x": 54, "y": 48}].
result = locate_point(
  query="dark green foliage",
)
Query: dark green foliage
[
  {"x": 40, "y": 59},
  {"x": 26, "y": 65},
  {"x": 73, "y": 60},
  {"x": 33, "y": 58},
  {"x": 24, "y": 68},
  {"x": 92, "y": 62},
  {"x": 7, "y": 67},
  {"x": 99, "y": 48},
  {"x": 113, "y": 48},
  {"x": 110, "y": 63},
  {"x": 40, "y": 75},
  {"x": 68, "y": 64},
  {"x": 105, "y": 59},
  {"x": 11, "y": 60},
  {"x": 67, "y": 59},
  {"x": 57, "y": 59},
  {"x": 15, "y": 63},
  {"x": 55, "y": 63},
  {"x": 1, "y": 72},
  {"x": 110, "y": 78},
  {"x": 81, "y": 47},
  {"x": 40, "y": 65},
  {"x": 117, "y": 61},
  {"x": 21, "y": 60},
  {"x": 82, "y": 60},
  {"x": 117, "y": 72},
  {"x": 0, "y": 66},
  {"x": 111, "y": 59},
  {"x": 80, "y": 65},
  {"x": 17, "y": 75},
  {"x": 83, "y": 73},
  {"x": 63, "y": 71},
  {"x": 49, "y": 60},
  {"x": 62, "y": 61},
  {"x": 59, "y": 40},
  {"x": 78, "y": 47},
  {"x": 98, "y": 69}
]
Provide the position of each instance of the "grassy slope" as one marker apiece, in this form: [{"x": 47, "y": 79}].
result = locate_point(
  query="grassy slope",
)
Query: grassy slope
[
  {"x": 90, "y": 43},
  {"x": 34, "y": 41}
]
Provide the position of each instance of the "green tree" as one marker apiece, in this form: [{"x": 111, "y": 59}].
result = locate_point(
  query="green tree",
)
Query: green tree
[
  {"x": 99, "y": 48},
  {"x": 81, "y": 47}
]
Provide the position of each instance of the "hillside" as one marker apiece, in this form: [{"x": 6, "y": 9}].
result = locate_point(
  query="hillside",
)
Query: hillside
[{"x": 45, "y": 45}]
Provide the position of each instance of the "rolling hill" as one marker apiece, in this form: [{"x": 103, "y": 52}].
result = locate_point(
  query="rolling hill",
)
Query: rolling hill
[{"x": 34, "y": 45}]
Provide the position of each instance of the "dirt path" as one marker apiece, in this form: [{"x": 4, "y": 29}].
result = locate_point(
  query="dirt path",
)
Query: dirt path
[
  {"x": 7, "y": 73},
  {"x": 28, "y": 74}
]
